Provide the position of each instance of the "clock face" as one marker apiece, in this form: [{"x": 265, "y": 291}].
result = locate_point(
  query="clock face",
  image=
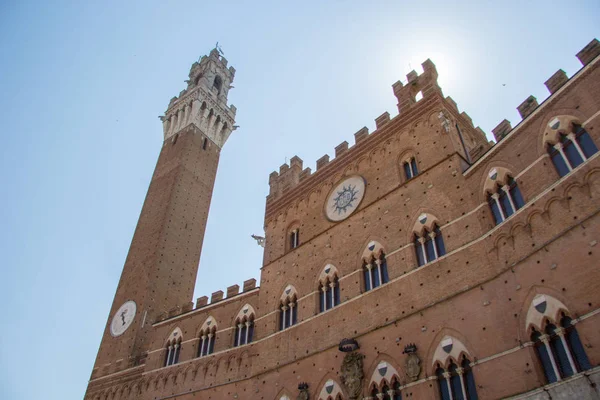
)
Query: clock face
[
  {"x": 122, "y": 318},
  {"x": 345, "y": 198}
]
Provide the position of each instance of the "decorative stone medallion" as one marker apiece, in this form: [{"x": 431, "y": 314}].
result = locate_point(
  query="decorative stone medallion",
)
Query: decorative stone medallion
[
  {"x": 122, "y": 318},
  {"x": 345, "y": 198}
]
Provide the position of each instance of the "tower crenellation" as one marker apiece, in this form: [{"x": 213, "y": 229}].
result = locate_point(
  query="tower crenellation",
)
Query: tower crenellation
[{"x": 204, "y": 102}]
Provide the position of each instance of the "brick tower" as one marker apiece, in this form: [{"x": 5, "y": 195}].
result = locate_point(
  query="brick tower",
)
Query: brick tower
[{"x": 162, "y": 263}]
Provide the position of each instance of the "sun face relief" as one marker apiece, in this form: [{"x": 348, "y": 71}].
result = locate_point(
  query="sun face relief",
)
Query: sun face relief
[
  {"x": 122, "y": 318},
  {"x": 345, "y": 198}
]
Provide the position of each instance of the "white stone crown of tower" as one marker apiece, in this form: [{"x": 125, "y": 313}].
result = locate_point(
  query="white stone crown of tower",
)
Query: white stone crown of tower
[{"x": 204, "y": 102}]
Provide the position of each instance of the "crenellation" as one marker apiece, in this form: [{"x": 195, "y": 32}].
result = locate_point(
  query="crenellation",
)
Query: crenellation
[
  {"x": 361, "y": 135},
  {"x": 452, "y": 103},
  {"x": 467, "y": 118},
  {"x": 323, "y": 161},
  {"x": 233, "y": 290},
  {"x": 589, "y": 52},
  {"x": 216, "y": 296},
  {"x": 527, "y": 107},
  {"x": 249, "y": 284},
  {"x": 201, "y": 301},
  {"x": 382, "y": 120},
  {"x": 501, "y": 130},
  {"x": 341, "y": 148},
  {"x": 556, "y": 81},
  {"x": 426, "y": 84},
  {"x": 306, "y": 172}
]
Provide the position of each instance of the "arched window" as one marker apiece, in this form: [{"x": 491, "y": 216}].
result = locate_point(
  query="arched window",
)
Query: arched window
[
  {"x": 410, "y": 168},
  {"x": 560, "y": 350},
  {"x": 429, "y": 245},
  {"x": 456, "y": 383},
  {"x": 288, "y": 308},
  {"x": 208, "y": 335},
  {"x": 375, "y": 271},
  {"x": 329, "y": 294},
  {"x": 173, "y": 350},
  {"x": 218, "y": 83},
  {"x": 381, "y": 388},
  {"x": 557, "y": 345},
  {"x": 244, "y": 326},
  {"x": 506, "y": 200},
  {"x": 571, "y": 150}
]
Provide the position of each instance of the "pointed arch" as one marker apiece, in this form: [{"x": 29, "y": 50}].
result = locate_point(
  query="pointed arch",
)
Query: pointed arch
[
  {"x": 384, "y": 372},
  {"x": 374, "y": 266},
  {"x": 330, "y": 389},
  {"x": 244, "y": 326},
  {"x": 288, "y": 307}
]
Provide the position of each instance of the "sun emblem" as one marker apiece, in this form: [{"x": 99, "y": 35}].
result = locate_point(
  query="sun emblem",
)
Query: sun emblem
[{"x": 344, "y": 198}]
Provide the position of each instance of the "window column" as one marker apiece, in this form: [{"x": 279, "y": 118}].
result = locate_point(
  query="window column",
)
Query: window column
[
  {"x": 460, "y": 373},
  {"x": 247, "y": 330},
  {"x": 332, "y": 286},
  {"x": 240, "y": 326},
  {"x": 291, "y": 314},
  {"x": 506, "y": 189},
  {"x": 423, "y": 250},
  {"x": 202, "y": 345},
  {"x": 558, "y": 146},
  {"x": 561, "y": 334},
  {"x": 435, "y": 250},
  {"x": 370, "y": 279},
  {"x": 324, "y": 297},
  {"x": 284, "y": 321},
  {"x": 448, "y": 384},
  {"x": 378, "y": 263},
  {"x": 211, "y": 339},
  {"x": 169, "y": 350},
  {"x": 545, "y": 340},
  {"x": 573, "y": 139},
  {"x": 496, "y": 196}
]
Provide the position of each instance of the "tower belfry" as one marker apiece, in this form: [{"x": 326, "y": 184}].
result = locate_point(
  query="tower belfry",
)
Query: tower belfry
[
  {"x": 161, "y": 267},
  {"x": 204, "y": 102}
]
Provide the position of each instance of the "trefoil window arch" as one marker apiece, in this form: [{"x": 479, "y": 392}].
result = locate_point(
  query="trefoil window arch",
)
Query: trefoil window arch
[
  {"x": 571, "y": 149},
  {"x": 244, "y": 327},
  {"x": 456, "y": 382},
  {"x": 555, "y": 338},
  {"x": 288, "y": 308},
  {"x": 560, "y": 350},
  {"x": 329, "y": 293},
  {"x": 375, "y": 270},
  {"x": 208, "y": 335},
  {"x": 429, "y": 245},
  {"x": 173, "y": 351}
]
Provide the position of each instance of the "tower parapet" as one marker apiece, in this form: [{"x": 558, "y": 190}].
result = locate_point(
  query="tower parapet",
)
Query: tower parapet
[
  {"x": 426, "y": 84},
  {"x": 204, "y": 102}
]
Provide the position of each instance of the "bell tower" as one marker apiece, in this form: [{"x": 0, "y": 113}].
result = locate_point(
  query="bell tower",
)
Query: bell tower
[{"x": 161, "y": 266}]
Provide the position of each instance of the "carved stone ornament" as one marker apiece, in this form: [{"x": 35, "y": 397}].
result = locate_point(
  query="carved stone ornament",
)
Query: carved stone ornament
[
  {"x": 412, "y": 366},
  {"x": 303, "y": 395},
  {"x": 352, "y": 374}
]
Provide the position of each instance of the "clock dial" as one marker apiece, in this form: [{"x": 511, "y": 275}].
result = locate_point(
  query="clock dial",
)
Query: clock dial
[
  {"x": 122, "y": 318},
  {"x": 345, "y": 198}
]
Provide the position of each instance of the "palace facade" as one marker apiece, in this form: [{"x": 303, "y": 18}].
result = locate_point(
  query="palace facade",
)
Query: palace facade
[{"x": 422, "y": 262}]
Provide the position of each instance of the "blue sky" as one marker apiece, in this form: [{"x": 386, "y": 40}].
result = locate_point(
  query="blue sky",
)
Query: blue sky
[{"x": 82, "y": 84}]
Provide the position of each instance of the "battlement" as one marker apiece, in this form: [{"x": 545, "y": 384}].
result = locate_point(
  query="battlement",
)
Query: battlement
[
  {"x": 426, "y": 85},
  {"x": 292, "y": 174},
  {"x": 202, "y": 302},
  {"x": 553, "y": 84}
]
